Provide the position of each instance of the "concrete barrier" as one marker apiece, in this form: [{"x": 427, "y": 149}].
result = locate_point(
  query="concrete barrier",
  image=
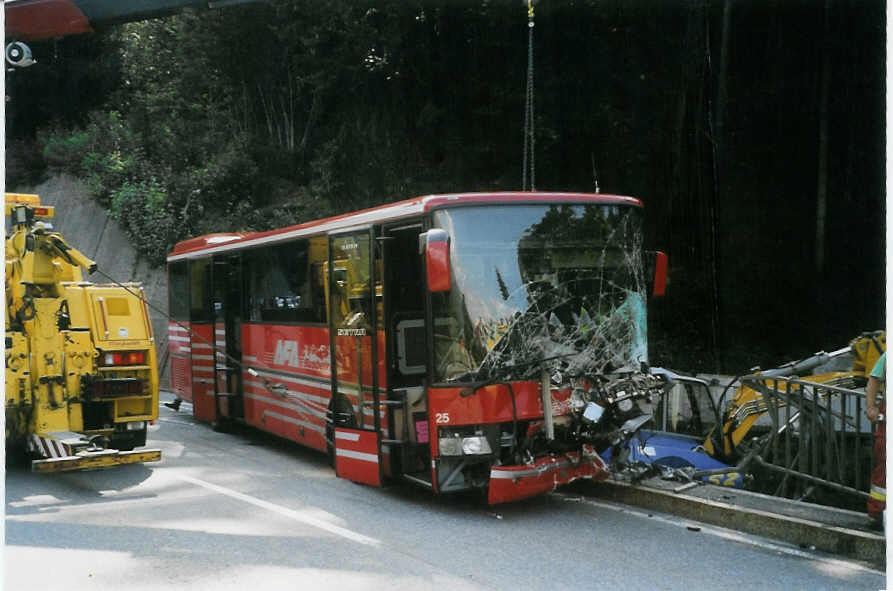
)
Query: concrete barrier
[{"x": 827, "y": 529}]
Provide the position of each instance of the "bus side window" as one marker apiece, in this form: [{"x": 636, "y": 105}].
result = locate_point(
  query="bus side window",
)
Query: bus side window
[
  {"x": 178, "y": 291},
  {"x": 199, "y": 290},
  {"x": 282, "y": 284}
]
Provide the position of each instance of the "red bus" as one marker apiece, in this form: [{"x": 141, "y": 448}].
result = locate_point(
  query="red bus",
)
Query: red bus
[{"x": 460, "y": 342}]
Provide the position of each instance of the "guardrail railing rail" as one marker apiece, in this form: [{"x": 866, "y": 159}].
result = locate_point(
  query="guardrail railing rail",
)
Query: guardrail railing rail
[{"x": 817, "y": 445}]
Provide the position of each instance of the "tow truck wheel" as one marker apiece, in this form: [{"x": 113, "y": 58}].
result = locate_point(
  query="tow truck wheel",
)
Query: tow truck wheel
[
  {"x": 128, "y": 440},
  {"x": 17, "y": 455}
]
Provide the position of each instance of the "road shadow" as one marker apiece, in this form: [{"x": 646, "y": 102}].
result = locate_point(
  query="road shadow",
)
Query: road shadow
[{"x": 62, "y": 488}]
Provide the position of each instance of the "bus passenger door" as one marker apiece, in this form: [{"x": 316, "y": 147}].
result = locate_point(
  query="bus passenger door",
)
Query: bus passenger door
[
  {"x": 226, "y": 292},
  {"x": 407, "y": 348},
  {"x": 354, "y": 296}
]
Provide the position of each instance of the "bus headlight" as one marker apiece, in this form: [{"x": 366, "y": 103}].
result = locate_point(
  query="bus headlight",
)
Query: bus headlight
[
  {"x": 450, "y": 446},
  {"x": 456, "y": 445},
  {"x": 477, "y": 445}
]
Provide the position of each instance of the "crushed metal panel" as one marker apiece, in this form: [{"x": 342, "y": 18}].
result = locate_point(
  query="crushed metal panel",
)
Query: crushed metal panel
[{"x": 512, "y": 483}]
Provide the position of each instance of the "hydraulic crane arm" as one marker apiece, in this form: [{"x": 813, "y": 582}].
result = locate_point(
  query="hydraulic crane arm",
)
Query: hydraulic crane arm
[{"x": 70, "y": 254}]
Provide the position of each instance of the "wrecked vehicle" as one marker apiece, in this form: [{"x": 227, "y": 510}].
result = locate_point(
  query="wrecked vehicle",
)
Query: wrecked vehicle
[
  {"x": 486, "y": 342},
  {"x": 781, "y": 434},
  {"x": 668, "y": 440}
]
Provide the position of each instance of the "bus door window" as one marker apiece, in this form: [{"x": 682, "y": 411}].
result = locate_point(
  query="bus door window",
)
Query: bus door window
[
  {"x": 407, "y": 347},
  {"x": 226, "y": 297},
  {"x": 201, "y": 318},
  {"x": 354, "y": 306},
  {"x": 406, "y": 306},
  {"x": 178, "y": 342}
]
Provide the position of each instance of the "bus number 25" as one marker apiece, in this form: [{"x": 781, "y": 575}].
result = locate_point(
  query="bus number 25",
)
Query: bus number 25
[{"x": 441, "y": 418}]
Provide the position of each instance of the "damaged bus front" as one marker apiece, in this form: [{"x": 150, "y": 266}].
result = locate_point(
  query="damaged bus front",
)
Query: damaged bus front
[{"x": 537, "y": 342}]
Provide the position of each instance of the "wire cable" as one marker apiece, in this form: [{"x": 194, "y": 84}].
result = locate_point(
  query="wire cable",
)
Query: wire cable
[{"x": 528, "y": 165}]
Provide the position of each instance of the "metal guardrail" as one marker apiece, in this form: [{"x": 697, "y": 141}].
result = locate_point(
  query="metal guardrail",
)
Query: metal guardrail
[{"x": 818, "y": 445}]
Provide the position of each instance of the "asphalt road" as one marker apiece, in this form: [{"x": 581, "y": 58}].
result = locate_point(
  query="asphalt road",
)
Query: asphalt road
[{"x": 244, "y": 511}]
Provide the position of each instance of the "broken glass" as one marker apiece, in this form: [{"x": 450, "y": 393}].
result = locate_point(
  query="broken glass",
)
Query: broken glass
[{"x": 554, "y": 287}]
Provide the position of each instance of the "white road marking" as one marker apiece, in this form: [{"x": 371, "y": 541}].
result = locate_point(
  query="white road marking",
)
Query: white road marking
[
  {"x": 285, "y": 512},
  {"x": 725, "y": 534}
]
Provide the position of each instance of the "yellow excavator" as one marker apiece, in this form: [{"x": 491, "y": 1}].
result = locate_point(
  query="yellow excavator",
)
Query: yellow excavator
[
  {"x": 81, "y": 368},
  {"x": 748, "y": 406}
]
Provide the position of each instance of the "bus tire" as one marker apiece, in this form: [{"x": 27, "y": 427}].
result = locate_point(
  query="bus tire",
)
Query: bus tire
[{"x": 222, "y": 425}]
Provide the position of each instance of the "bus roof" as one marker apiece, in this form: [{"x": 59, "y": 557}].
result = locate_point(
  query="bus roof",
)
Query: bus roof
[{"x": 218, "y": 243}]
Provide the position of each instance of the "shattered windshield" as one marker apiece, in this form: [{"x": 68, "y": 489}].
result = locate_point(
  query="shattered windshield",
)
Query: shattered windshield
[{"x": 533, "y": 286}]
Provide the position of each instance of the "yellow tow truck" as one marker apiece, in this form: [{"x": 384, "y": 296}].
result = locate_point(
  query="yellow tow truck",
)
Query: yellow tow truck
[{"x": 81, "y": 368}]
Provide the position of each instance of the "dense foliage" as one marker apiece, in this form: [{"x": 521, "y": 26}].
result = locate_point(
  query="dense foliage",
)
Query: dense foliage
[{"x": 753, "y": 132}]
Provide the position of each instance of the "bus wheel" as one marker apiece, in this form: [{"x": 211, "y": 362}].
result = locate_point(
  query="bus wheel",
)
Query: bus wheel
[{"x": 222, "y": 425}]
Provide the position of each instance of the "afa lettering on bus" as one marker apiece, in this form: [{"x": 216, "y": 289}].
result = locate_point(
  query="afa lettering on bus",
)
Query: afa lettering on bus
[{"x": 286, "y": 353}]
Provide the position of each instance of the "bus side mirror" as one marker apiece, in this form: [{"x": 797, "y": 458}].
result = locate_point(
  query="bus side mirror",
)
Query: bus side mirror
[
  {"x": 437, "y": 259},
  {"x": 658, "y": 263}
]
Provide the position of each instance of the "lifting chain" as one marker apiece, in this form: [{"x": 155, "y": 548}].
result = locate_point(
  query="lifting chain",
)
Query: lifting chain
[{"x": 528, "y": 165}]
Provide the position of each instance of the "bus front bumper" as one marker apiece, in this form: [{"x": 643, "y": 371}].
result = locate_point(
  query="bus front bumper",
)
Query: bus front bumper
[{"x": 512, "y": 483}]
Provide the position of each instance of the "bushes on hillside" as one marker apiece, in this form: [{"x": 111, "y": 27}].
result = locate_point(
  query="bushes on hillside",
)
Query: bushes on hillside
[
  {"x": 145, "y": 211},
  {"x": 108, "y": 157}
]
